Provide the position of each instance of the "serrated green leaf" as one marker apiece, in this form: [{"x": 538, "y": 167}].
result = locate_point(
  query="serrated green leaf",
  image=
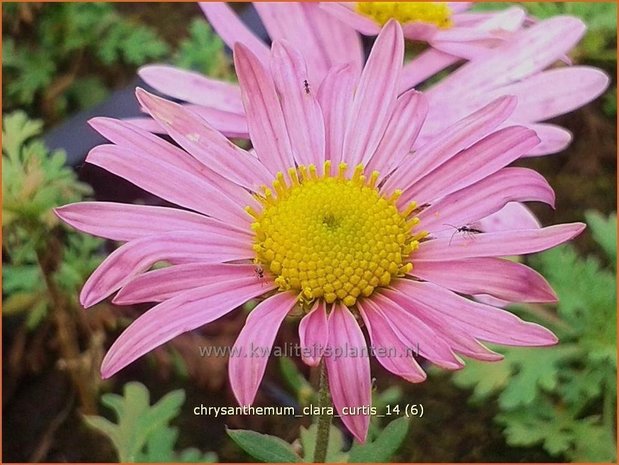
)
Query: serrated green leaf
[
  {"x": 264, "y": 447},
  {"x": 138, "y": 421},
  {"x": 528, "y": 427},
  {"x": 535, "y": 370},
  {"x": 587, "y": 299},
  {"x": 384, "y": 446},
  {"x": 16, "y": 130}
]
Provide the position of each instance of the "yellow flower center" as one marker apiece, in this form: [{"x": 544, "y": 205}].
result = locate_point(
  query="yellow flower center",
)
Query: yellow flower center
[
  {"x": 435, "y": 13},
  {"x": 332, "y": 237}
]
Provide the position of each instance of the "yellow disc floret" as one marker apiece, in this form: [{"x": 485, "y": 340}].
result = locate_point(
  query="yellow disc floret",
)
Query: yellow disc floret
[
  {"x": 435, "y": 13},
  {"x": 332, "y": 237}
]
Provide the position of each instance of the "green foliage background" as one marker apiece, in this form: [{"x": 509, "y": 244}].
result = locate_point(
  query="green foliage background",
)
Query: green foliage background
[{"x": 59, "y": 58}]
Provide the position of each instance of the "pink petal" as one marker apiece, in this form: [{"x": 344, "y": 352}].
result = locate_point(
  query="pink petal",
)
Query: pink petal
[
  {"x": 165, "y": 283},
  {"x": 193, "y": 87},
  {"x": 167, "y": 320},
  {"x": 322, "y": 40},
  {"x": 459, "y": 7},
  {"x": 490, "y": 300},
  {"x": 419, "y": 31},
  {"x": 125, "y": 222},
  {"x": 454, "y": 139},
  {"x": 341, "y": 44},
  {"x": 512, "y": 216},
  {"x": 385, "y": 340},
  {"x": 232, "y": 125},
  {"x": 423, "y": 66},
  {"x": 498, "y": 244},
  {"x": 135, "y": 257},
  {"x": 171, "y": 182},
  {"x": 207, "y": 145},
  {"x": 485, "y": 197},
  {"x": 335, "y": 97},
  {"x": 361, "y": 23},
  {"x": 500, "y": 278},
  {"x": 232, "y": 30},
  {"x": 468, "y": 49},
  {"x": 553, "y": 139},
  {"x": 402, "y": 130},
  {"x": 154, "y": 150},
  {"x": 287, "y": 21},
  {"x": 348, "y": 368},
  {"x": 555, "y": 92},
  {"x": 375, "y": 96},
  {"x": 267, "y": 126},
  {"x": 134, "y": 138},
  {"x": 528, "y": 52},
  {"x": 299, "y": 105},
  {"x": 314, "y": 334},
  {"x": 144, "y": 123},
  {"x": 416, "y": 334},
  {"x": 473, "y": 164},
  {"x": 229, "y": 124},
  {"x": 459, "y": 340},
  {"x": 251, "y": 351},
  {"x": 478, "y": 320},
  {"x": 508, "y": 20},
  {"x": 462, "y": 34}
]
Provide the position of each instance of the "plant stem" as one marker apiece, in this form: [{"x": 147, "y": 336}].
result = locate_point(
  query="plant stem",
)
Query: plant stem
[
  {"x": 324, "y": 419},
  {"x": 65, "y": 320}
]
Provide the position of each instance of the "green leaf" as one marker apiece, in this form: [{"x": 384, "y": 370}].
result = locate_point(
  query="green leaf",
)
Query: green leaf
[
  {"x": 604, "y": 231},
  {"x": 193, "y": 455},
  {"x": 264, "y": 447},
  {"x": 535, "y": 369},
  {"x": 19, "y": 302},
  {"x": 295, "y": 379},
  {"x": 160, "y": 446},
  {"x": 594, "y": 443},
  {"x": 528, "y": 427},
  {"x": 384, "y": 446},
  {"x": 34, "y": 181},
  {"x": 138, "y": 421},
  {"x": 587, "y": 300},
  {"x": 203, "y": 51},
  {"x": 16, "y": 130},
  {"x": 486, "y": 378}
]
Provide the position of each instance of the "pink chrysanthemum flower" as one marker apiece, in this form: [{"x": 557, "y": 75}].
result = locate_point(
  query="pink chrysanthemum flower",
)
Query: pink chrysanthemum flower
[
  {"x": 346, "y": 232},
  {"x": 516, "y": 66},
  {"x": 445, "y": 26}
]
